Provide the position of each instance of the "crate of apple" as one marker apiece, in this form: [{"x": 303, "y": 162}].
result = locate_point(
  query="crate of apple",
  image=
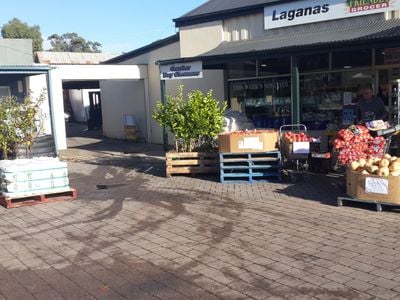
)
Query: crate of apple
[
  {"x": 356, "y": 143},
  {"x": 291, "y": 137}
]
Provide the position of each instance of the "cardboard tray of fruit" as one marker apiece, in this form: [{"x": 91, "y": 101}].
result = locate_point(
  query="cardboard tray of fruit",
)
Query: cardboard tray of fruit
[{"x": 295, "y": 144}]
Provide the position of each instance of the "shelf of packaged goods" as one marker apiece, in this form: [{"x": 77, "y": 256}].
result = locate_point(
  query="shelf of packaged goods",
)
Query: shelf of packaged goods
[{"x": 330, "y": 107}]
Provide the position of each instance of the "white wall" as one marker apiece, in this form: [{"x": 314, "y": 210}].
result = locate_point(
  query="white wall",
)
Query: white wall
[
  {"x": 38, "y": 87},
  {"x": 212, "y": 79},
  {"x": 198, "y": 39},
  {"x": 120, "y": 98},
  {"x": 85, "y": 72}
]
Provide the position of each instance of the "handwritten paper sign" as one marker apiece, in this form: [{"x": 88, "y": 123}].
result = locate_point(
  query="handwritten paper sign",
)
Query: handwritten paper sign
[
  {"x": 250, "y": 143},
  {"x": 301, "y": 147},
  {"x": 377, "y": 185}
]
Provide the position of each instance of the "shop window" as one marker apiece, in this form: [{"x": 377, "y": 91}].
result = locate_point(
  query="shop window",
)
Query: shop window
[
  {"x": 236, "y": 96},
  {"x": 351, "y": 59},
  {"x": 242, "y": 69},
  {"x": 320, "y": 101},
  {"x": 266, "y": 102},
  {"x": 387, "y": 56},
  {"x": 5, "y": 91},
  {"x": 328, "y": 100},
  {"x": 313, "y": 62},
  {"x": 274, "y": 66}
]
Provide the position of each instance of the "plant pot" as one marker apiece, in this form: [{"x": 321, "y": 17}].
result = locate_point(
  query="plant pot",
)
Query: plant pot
[{"x": 191, "y": 163}]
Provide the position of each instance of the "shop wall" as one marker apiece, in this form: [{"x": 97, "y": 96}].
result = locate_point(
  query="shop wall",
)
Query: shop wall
[
  {"x": 152, "y": 84},
  {"x": 9, "y": 55},
  {"x": 212, "y": 79},
  {"x": 244, "y": 27},
  {"x": 120, "y": 98},
  {"x": 198, "y": 39},
  {"x": 252, "y": 26}
]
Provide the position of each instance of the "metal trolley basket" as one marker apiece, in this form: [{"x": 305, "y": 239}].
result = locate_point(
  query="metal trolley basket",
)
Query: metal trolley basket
[
  {"x": 374, "y": 148},
  {"x": 294, "y": 155}
]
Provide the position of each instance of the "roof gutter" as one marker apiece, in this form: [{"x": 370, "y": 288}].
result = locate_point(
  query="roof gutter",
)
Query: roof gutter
[
  {"x": 215, "y": 59},
  {"x": 25, "y": 69}
]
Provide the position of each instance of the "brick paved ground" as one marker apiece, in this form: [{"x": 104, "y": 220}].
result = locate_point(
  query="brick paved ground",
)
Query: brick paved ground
[{"x": 149, "y": 237}]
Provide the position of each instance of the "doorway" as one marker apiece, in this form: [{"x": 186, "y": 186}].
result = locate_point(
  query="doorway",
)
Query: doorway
[{"x": 95, "y": 119}]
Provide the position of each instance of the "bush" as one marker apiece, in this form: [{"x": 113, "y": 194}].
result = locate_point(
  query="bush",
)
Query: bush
[
  {"x": 195, "y": 122},
  {"x": 20, "y": 124}
]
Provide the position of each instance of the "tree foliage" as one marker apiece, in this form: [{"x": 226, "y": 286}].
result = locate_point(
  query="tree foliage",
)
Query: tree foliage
[
  {"x": 20, "y": 124},
  {"x": 72, "y": 42},
  {"x": 16, "y": 29},
  {"x": 195, "y": 122}
]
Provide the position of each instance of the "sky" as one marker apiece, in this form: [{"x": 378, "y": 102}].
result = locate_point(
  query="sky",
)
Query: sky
[{"x": 119, "y": 25}]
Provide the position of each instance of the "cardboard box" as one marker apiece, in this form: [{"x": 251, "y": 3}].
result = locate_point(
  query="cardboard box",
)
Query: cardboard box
[
  {"x": 373, "y": 187},
  {"x": 248, "y": 141}
]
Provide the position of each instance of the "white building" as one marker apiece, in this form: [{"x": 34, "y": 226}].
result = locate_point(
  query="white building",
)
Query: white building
[{"x": 79, "y": 85}]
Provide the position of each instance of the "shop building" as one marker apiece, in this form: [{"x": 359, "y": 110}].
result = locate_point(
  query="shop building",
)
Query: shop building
[{"x": 285, "y": 62}]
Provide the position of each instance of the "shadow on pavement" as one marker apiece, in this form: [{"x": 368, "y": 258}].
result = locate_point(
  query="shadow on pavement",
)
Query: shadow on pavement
[{"x": 323, "y": 188}]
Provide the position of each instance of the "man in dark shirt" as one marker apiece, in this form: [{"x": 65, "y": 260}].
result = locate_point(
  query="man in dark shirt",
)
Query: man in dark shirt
[{"x": 369, "y": 107}]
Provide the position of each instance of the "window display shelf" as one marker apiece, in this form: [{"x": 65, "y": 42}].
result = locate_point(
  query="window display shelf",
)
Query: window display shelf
[{"x": 330, "y": 107}]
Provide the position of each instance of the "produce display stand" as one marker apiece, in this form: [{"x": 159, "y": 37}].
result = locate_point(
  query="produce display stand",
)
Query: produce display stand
[
  {"x": 191, "y": 163},
  {"x": 378, "y": 204}
]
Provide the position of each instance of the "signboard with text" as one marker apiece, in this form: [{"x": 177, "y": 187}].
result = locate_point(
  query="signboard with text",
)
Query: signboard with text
[
  {"x": 182, "y": 71},
  {"x": 311, "y": 11}
]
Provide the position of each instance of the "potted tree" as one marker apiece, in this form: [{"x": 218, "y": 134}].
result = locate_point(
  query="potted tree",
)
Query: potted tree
[
  {"x": 195, "y": 122},
  {"x": 20, "y": 125}
]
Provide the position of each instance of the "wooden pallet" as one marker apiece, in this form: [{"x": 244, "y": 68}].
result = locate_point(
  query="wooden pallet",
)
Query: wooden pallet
[
  {"x": 9, "y": 202},
  {"x": 250, "y": 167},
  {"x": 191, "y": 163}
]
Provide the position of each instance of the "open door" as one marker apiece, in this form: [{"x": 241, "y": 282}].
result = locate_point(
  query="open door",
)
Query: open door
[{"x": 95, "y": 120}]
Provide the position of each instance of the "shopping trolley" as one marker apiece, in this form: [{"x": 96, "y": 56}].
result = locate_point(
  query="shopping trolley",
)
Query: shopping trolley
[{"x": 294, "y": 146}]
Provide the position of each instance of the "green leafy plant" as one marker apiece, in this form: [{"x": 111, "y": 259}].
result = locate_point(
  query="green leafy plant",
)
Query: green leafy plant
[
  {"x": 8, "y": 131},
  {"x": 195, "y": 122},
  {"x": 20, "y": 124}
]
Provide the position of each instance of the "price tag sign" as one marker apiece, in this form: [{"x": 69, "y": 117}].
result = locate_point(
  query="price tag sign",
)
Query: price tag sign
[
  {"x": 251, "y": 143},
  {"x": 301, "y": 147},
  {"x": 377, "y": 185}
]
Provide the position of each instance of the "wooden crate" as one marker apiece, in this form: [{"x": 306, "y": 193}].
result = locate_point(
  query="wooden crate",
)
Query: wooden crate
[
  {"x": 250, "y": 167},
  {"x": 191, "y": 163},
  {"x": 9, "y": 202}
]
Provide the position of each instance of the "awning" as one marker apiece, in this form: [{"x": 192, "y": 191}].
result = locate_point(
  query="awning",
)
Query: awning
[
  {"x": 25, "y": 69},
  {"x": 316, "y": 36}
]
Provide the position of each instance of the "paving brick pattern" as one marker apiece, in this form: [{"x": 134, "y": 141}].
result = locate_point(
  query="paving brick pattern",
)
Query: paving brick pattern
[{"x": 149, "y": 237}]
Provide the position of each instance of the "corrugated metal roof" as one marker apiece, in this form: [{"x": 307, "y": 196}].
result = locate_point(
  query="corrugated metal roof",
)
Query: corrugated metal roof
[
  {"x": 215, "y": 6},
  {"x": 147, "y": 48},
  {"x": 24, "y": 69},
  {"x": 371, "y": 31},
  {"x": 73, "y": 58},
  {"x": 221, "y": 9}
]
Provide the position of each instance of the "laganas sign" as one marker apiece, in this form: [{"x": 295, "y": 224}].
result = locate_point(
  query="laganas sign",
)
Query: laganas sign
[{"x": 309, "y": 11}]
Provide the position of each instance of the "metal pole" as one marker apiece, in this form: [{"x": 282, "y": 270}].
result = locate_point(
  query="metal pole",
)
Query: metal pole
[
  {"x": 295, "y": 91},
  {"x": 164, "y": 102},
  {"x": 53, "y": 126}
]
